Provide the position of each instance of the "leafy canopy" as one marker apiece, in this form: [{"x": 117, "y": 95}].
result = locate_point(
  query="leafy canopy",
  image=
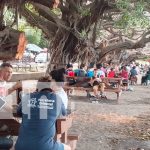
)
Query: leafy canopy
[{"x": 132, "y": 15}]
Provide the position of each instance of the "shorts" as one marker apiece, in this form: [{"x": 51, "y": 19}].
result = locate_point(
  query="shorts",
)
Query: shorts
[
  {"x": 125, "y": 82},
  {"x": 99, "y": 87}
]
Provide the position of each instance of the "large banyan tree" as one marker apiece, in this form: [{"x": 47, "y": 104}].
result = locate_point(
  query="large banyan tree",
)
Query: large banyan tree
[
  {"x": 72, "y": 26},
  {"x": 67, "y": 27}
]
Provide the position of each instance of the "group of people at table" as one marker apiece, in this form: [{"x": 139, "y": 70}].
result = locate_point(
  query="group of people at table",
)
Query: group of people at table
[
  {"x": 96, "y": 73},
  {"x": 40, "y": 109}
]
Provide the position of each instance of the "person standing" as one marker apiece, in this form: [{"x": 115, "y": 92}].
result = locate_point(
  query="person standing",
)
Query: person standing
[{"x": 133, "y": 75}]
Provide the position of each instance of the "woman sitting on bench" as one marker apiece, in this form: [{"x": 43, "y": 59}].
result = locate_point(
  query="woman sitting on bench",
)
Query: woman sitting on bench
[
  {"x": 40, "y": 111},
  {"x": 97, "y": 85}
]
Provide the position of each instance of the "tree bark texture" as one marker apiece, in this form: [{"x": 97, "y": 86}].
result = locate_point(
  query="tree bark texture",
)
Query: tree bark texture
[{"x": 12, "y": 44}]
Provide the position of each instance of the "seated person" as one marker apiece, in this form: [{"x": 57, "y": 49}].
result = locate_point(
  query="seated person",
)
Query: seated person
[
  {"x": 90, "y": 71},
  {"x": 98, "y": 85},
  {"x": 82, "y": 71},
  {"x": 111, "y": 73},
  {"x": 40, "y": 111},
  {"x": 57, "y": 82},
  {"x": 100, "y": 72},
  {"x": 70, "y": 73},
  {"x": 5, "y": 75},
  {"x": 69, "y": 70},
  {"x": 125, "y": 76}
]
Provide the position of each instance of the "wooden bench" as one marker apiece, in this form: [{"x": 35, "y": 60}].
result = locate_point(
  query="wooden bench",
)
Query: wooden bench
[
  {"x": 133, "y": 80},
  {"x": 62, "y": 126},
  {"x": 108, "y": 81}
]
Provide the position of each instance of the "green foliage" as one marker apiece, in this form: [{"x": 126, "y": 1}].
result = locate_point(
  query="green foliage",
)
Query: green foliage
[
  {"x": 43, "y": 42},
  {"x": 132, "y": 15},
  {"x": 22, "y": 24},
  {"x": 56, "y": 11},
  {"x": 146, "y": 57},
  {"x": 123, "y": 4},
  {"x": 31, "y": 8},
  {"x": 84, "y": 11},
  {"x": 9, "y": 16},
  {"x": 35, "y": 36}
]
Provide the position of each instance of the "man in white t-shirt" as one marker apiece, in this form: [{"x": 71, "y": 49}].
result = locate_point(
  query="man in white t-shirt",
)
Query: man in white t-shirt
[{"x": 5, "y": 75}]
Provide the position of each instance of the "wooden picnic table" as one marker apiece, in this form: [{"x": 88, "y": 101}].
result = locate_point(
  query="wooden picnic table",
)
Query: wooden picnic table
[
  {"x": 81, "y": 80},
  {"x": 62, "y": 126}
]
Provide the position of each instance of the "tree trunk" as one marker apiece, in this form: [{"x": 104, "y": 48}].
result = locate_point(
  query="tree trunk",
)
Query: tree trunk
[
  {"x": 12, "y": 44},
  {"x": 66, "y": 48}
]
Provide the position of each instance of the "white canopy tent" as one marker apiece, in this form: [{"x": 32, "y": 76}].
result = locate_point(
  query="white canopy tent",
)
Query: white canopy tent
[{"x": 33, "y": 48}]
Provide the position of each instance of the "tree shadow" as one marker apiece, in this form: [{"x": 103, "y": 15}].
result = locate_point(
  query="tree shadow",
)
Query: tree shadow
[
  {"x": 141, "y": 101},
  {"x": 87, "y": 100},
  {"x": 131, "y": 143}
]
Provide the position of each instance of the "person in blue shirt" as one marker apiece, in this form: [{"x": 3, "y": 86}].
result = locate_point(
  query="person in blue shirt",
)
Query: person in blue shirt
[
  {"x": 40, "y": 111},
  {"x": 90, "y": 72},
  {"x": 82, "y": 71},
  {"x": 133, "y": 72},
  {"x": 133, "y": 75}
]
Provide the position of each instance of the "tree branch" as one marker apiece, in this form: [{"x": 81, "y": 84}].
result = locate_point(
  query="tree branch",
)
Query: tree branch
[
  {"x": 42, "y": 2},
  {"x": 53, "y": 19},
  {"x": 96, "y": 10},
  {"x": 127, "y": 45},
  {"x": 73, "y": 6},
  {"x": 46, "y": 26}
]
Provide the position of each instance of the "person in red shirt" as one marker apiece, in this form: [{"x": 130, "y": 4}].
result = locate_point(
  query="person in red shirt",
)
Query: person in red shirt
[
  {"x": 111, "y": 73},
  {"x": 125, "y": 76},
  {"x": 69, "y": 70},
  {"x": 71, "y": 74}
]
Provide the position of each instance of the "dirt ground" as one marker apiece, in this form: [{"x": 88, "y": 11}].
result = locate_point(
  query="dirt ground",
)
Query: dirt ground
[{"x": 112, "y": 125}]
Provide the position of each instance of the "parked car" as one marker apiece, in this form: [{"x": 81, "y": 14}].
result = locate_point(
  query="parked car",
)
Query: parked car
[{"x": 41, "y": 58}]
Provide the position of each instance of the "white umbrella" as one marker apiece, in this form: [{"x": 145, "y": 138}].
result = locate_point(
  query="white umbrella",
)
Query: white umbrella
[{"x": 33, "y": 48}]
